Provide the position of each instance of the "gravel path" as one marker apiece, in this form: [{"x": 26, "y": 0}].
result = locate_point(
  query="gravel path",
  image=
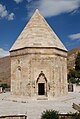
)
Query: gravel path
[{"x": 33, "y": 109}]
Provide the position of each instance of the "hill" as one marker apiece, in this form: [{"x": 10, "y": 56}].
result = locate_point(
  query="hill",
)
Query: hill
[
  {"x": 5, "y": 70},
  {"x": 71, "y": 57}
]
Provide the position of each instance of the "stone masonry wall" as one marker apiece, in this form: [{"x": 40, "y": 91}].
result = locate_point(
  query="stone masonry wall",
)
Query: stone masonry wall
[{"x": 25, "y": 69}]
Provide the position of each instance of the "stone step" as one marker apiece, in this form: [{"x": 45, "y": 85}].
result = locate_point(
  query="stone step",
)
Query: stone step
[{"x": 42, "y": 98}]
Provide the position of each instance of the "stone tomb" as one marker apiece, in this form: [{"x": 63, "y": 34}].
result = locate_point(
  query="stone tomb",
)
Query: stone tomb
[{"x": 38, "y": 62}]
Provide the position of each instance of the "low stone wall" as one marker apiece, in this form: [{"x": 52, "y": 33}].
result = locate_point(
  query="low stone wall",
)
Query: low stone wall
[
  {"x": 67, "y": 116},
  {"x": 14, "y": 117},
  {"x": 61, "y": 116},
  {"x": 0, "y": 89},
  {"x": 76, "y": 88}
]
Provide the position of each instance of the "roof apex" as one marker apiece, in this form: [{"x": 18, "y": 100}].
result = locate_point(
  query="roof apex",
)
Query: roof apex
[
  {"x": 37, "y": 33},
  {"x": 37, "y": 10}
]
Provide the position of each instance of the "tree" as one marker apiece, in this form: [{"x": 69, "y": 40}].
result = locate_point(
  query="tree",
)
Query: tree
[
  {"x": 71, "y": 76},
  {"x": 78, "y": 116},
  {"x": 74, "y": 75},
  {"x": 72, "y": 80},
  {"x": 77, "y": 62},
  {"x": 77, "y": 68},
  {"x": 50, "y": 114},
  {"x": 4, "y": 85}
]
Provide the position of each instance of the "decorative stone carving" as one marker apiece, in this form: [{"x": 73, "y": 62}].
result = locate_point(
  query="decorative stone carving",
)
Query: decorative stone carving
[{"x": 19, "y": 68}]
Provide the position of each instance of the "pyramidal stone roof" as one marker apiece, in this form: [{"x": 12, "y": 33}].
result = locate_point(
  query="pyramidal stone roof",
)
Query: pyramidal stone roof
[{"x": 37, "y": 33}]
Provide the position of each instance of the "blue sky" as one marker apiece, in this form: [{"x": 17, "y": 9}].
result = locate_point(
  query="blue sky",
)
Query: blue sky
[{"x": 62, "y": 15}]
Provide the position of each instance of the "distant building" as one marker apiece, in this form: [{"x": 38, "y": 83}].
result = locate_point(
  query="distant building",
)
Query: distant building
[{"x": 38, "y": 62}]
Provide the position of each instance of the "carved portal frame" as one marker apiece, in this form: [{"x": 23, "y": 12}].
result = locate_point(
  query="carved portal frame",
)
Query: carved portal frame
[{"x": 42, "y": 79}]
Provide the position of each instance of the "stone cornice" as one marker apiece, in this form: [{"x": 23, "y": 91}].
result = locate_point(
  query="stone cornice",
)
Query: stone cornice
[
  {"x": 41, "y": 51},
  {"x": 38, "y": 48}
]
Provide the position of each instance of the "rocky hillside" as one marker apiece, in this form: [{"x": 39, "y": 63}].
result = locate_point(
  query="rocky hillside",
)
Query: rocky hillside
[
  {"x": 5, "y": 69},
  {"x": 71, "y": 57}
]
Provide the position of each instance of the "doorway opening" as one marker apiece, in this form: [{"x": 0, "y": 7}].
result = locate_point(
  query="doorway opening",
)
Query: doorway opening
[{"x": 41, "y": 88}]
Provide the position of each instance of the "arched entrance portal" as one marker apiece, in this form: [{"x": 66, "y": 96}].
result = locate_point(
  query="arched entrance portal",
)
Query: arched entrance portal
[
  {"x": 41, "y": 88},
  {"x": 41, "y": 84}
]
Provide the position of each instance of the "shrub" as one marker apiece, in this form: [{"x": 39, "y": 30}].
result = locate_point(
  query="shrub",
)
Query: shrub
[
  {"x": 78, "y": 116},
  {"x": 50, "y": 114},
  {"x": 4, "y": 85}
]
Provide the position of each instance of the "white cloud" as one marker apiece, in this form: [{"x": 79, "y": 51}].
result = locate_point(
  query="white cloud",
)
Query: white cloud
[
  {"x": 55, "y": 7},
  {"x": 11, "y": 16},
  {"x": 3, "y": 11},
  {"x": 29, "y": 0},
  {"x": 3, "y": 53},
  {"x": 18, "y": 1},
  {"x": 5, "y": 14},
  {"x": 75, "y": 36}
]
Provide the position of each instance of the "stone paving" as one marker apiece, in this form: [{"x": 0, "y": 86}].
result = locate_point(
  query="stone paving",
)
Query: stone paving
[{"x": 12, "y": 106}]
